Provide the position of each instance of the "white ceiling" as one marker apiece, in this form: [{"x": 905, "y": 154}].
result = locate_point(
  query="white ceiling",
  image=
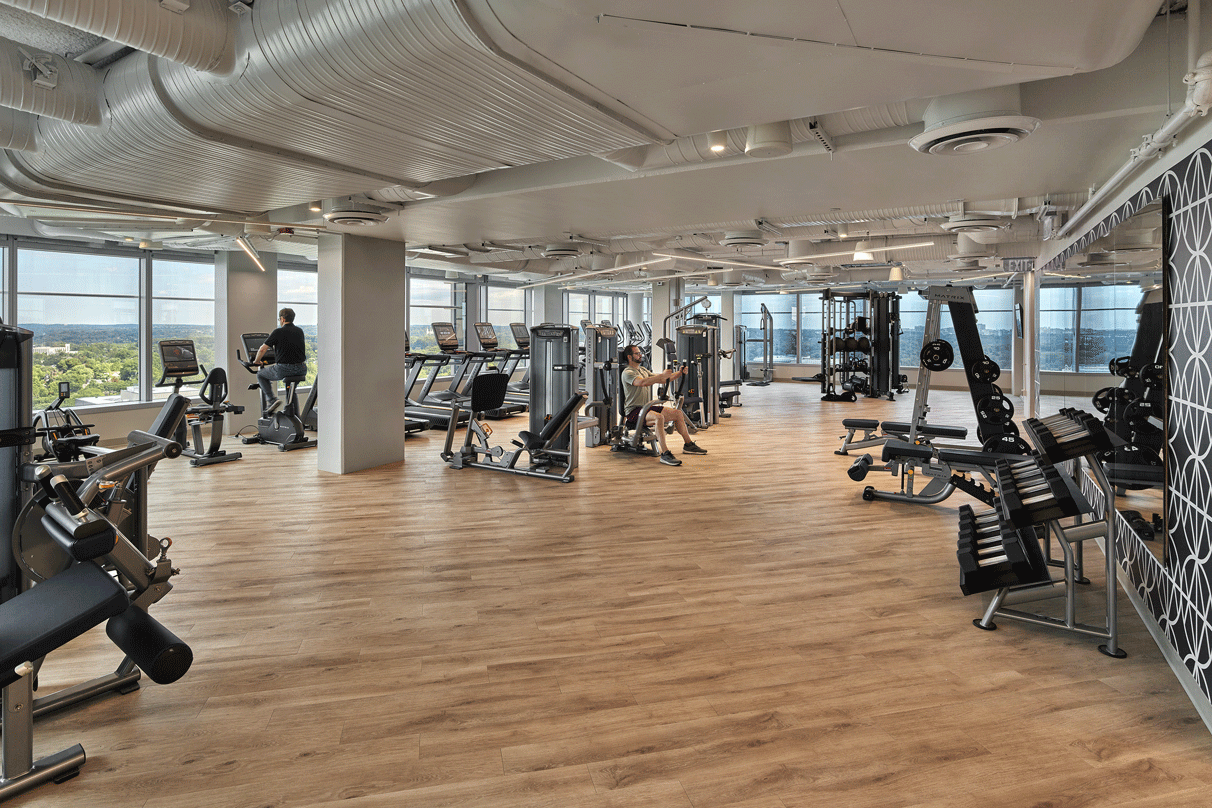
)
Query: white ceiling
[{"x": 528, "y": 119}]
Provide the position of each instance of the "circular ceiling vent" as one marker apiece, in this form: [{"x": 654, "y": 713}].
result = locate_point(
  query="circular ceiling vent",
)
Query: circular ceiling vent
[
  {"x": 972, "y": 223},
  {"x": 977, "y": 135},
  {"x": 565, "y": 250},
  {"x": 744, "y": 238},
  {"x": 353, "y": 215}
]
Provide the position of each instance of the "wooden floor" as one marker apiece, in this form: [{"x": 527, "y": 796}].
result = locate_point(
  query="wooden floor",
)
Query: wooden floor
[{"x": 741, "y": 631}]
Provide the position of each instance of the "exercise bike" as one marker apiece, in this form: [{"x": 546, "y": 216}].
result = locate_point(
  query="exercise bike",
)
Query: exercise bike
[
  {"x": 179, "y": 358},
  {"x": 283, "y": 428}
]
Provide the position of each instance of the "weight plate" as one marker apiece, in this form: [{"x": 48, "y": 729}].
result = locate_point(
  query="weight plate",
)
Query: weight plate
[
  {"x": 864, "y": 345},
  {"x": 1006, "y": 444},
  {"x": 1137, "y": 414},
  {"x": 995, "y": 410},
  {"x": 937, "y": 355},
  {"x": 1108, "y": 396},
  {"x": 985, "y": 371},
  {"x": 1153, "y": 374},
  {"x": 1122, "y": 366}
]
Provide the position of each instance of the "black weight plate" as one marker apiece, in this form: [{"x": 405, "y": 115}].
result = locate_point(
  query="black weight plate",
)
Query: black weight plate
[
  {"x": 985, "y": 371},
  {"x": 1137, "y": 414},
  {"x": 995, "y": 410},
  {"x": 1122, "y": 366},
  {"x": 1153, "y": 374},
  {"x": 1006, "y": 444},
  {"x": 864, "y": 344},
  {"x": 937, "y": 355}
]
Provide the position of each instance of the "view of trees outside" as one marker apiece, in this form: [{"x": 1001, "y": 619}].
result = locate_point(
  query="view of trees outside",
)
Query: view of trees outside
[
  {"x": 505, "y": 306},
  {"x": 84, "y": 313},
  {"x": 431, "y": 301},
  {"x": 297, "y": 289}
]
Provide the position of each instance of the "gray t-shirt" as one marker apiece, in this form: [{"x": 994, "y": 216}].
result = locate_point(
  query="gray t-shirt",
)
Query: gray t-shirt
[{"x": 633, "y": 394}]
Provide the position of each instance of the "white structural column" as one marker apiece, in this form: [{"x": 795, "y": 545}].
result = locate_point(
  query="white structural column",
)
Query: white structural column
[
  {"x": 1030, "y": 342},
  {"x": 246, "y": 300},
  {"x": 360, "y": 324}
]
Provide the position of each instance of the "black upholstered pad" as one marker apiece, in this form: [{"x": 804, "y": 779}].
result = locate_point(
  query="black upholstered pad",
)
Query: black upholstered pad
[{"x": 55, "y": 611}]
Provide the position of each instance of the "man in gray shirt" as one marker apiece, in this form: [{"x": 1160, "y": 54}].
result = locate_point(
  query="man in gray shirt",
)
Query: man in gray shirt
[{"x": 637, "y": 391}]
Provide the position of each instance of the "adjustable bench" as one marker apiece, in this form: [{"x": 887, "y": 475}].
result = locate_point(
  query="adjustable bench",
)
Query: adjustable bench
[{"x": 891, "y": 429}]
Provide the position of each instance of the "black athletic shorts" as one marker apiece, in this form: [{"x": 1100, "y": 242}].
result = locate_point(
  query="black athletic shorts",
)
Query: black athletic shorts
[{"x": 635, "y": 414}]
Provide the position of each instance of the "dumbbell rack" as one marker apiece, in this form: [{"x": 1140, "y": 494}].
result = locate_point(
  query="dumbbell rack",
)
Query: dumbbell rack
[{"x": 1035, "y": 494}]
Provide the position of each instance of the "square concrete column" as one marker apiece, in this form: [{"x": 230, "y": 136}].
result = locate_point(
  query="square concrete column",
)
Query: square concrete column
[
  {"x": 360, "y": 323},
  {"x": 246, "y": 300}
]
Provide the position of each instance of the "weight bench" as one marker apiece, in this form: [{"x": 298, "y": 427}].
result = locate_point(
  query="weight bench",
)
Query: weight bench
[
  {"x": 891, "y": 429},
  {"x": 946, "y": 469}
]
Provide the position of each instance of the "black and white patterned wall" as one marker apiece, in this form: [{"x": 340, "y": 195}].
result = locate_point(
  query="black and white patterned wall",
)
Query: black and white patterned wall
[{"x": 1179, "y": 591}]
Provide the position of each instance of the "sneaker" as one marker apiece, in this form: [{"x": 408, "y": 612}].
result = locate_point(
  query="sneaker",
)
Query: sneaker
[
  {"x": 274, "y": 406},
  {"x": 669, "y": 460},
  {"x": 693, "y": 448}
]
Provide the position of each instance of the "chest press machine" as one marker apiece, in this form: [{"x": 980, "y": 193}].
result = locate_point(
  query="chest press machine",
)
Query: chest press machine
[{"x": 75, "y": 590}]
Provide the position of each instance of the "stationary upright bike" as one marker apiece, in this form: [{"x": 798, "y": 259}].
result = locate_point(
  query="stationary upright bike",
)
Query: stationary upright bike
[{"x": 283, "y": 428}]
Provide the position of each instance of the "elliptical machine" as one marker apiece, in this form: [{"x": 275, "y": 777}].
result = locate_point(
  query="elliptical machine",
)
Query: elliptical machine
[{"x": 283, "y": 428}]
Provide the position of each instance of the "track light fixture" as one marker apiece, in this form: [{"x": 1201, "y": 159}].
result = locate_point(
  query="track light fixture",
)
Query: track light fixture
[
  {"x": 244, "y": 244},
  {"x": 717, "y": 141}
]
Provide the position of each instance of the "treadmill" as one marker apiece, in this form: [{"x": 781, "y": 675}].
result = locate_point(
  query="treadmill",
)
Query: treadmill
[
  {"x": 469, "y": 364},
  {"x": 418, "y": 416}
]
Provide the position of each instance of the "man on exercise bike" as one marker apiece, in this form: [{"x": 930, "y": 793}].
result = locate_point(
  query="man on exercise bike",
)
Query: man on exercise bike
[
  {"x": 637, "y": 383},
  {"x": 291, "y": 351}
]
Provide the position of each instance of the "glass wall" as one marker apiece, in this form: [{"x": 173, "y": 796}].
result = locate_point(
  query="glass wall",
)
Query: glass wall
[
  {"x": 505, "y": 305},
  {"x": 183, "y": 307},
  {"x": 1107, "y": 325},
  {"x": 1058, "y": 306},
  {"x": 430, "y": 301},
  {"x": 84, "y": 312},
  {"x": 811, "y": 323},
  {"x": 784, "y": 310},
  {"x": 297, "y": 290}
]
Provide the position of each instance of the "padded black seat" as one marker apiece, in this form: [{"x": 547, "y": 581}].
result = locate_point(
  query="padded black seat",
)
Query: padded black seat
[
  {"x": 59, "y": 609},
  {"x": 860, "y": 423},
  {"x": 928, "y": 430},
  {"x": 170, "y": 415},
  {"x": 532, "y": 442}
]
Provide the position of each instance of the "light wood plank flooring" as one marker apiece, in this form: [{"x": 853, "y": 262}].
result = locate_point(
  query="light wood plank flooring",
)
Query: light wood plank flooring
[{"x": 742, "y": 631}]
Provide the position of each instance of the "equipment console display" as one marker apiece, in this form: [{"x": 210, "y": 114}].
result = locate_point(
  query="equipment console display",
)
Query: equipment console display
[{"x": 179, "y": 357}]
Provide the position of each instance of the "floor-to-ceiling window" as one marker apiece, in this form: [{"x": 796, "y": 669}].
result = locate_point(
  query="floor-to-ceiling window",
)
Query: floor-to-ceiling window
[
  {"x": 297, "y": 290},
  {"x": 505, "y": 305},
  {"x": 84, "y": 311},
  {"x": 183, "y": 307}
]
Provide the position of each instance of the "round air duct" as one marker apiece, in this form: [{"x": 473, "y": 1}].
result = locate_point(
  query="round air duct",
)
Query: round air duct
[
  {"x": 355, "y": 214},
  {"x": 799, "y": 253},
  {"x": 972, "y": 223},
  {"x": 744, "y": 238},
  {"x": 769, "y": 140},
  {"x": 967, "y": 123},
  {"x": 565, "y": 250}
]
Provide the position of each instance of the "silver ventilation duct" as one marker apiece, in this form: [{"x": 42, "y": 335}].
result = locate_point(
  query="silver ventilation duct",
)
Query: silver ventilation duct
[{"x": 201, "y": 37}]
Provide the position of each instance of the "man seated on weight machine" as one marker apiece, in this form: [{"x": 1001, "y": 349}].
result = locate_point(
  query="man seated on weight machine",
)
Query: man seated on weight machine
[
  {"x": 637, "y": 383},
  {"x": 291, "y": 351}
]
